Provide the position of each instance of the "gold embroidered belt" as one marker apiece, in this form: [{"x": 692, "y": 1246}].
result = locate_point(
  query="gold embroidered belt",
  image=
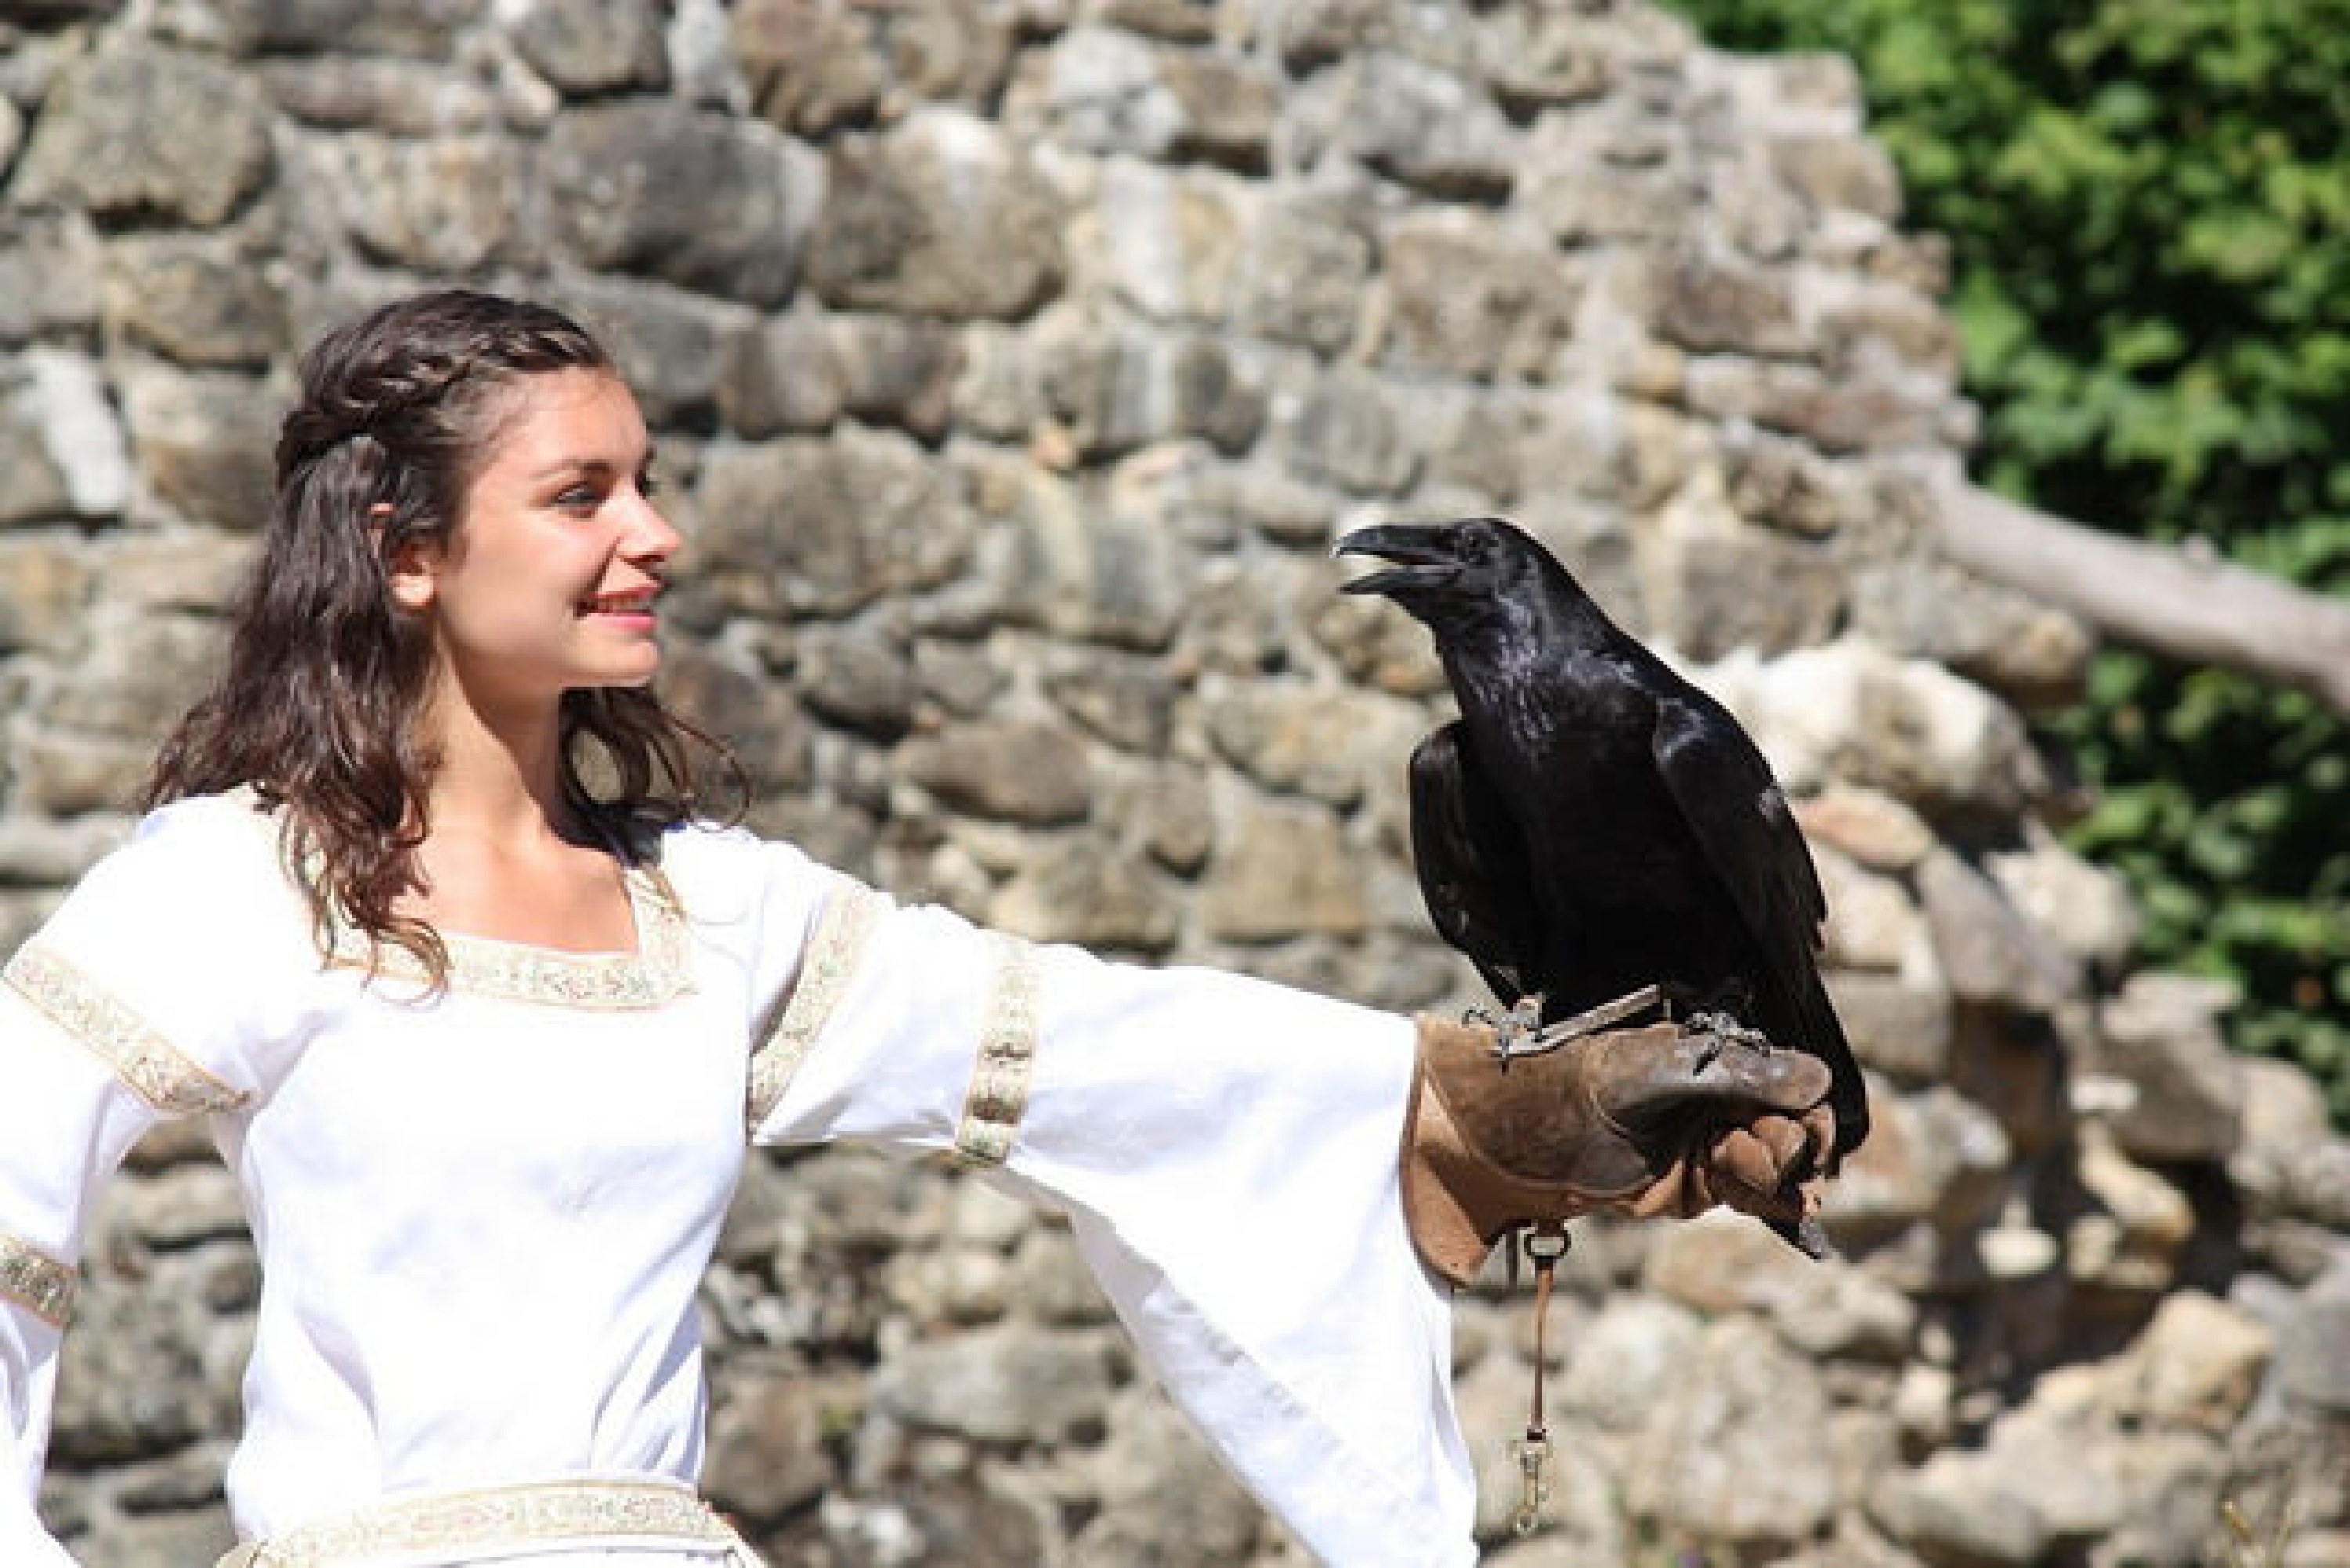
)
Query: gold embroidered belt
[{"x": 439, "y": 1528}]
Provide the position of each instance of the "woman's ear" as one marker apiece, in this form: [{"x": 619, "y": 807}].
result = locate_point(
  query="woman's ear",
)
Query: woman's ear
[{"x": 411, "y": 569}]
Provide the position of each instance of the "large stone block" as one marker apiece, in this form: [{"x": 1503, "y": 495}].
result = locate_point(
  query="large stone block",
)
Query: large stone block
[
  {"x": 1230, "y": 109},
  {"x": 396, "y": 97},
  {"x": 70, "y": 775},
  {"x": 1165, "y": 243},
  {"x": 1316, "y": 32},
  {"x": 1541, "y": 56},
  {"x": 587, "y": 47},
  {"x": 203, "y": 442},
  {"x": 1171, "y": 817},
  {"x": 1872, "y": 412},
  {"x": 1930, "y": 1156},
  {"x": 449, "y": 204},
  {"x": 1115, "y": 388},
  {"x": 767, "y": 1454},
  {"x": 171, "y": 1534},
  {"x": 1701, "y": 566},
  {"x": 1301, "y": 274},
  {"x": 1004, "y": 769},
  {"x": 894, "y": 371},
  {"x": 2161, "y": 1036},
  {"x": 1897, "y": 1023},
  {"x": 2017, "y": 646},
  {"x": 1008, "y": 1383},
  {"x": 1911, "y": 729},
  {"x": 1474, "y": 296},
  {"x": 137, "y": 132},
  {"x": 416, "y": 30},
  {"x": 1737, "y": 1451},
  {"x": 781, "y": 376},
  {"x": 671, "y": 346},
  {"x": 697, "y": 199},
  {"x": 1334, "y": 745},
  {"x": 812, "y": 66},
  {"x": 1611, "y": 169},
  {"x": 1107, "y": 91},
  {"x": 1345, "y": 433},
  {"x": 2132, "y": 1227},
  {"x": 1875, "y": 830},
  {"x": 44, "y": 583},
  {"x": 1282, "y": 870},
  {"x": 1988, "y": 952},
  {"x": 1723, "y": 1262},
  {"x": 36, "y": 852},
  {"x": 37, "y": 488},
  {"x": 1872, "y": 924},
  {"x": 1435, "y": 131},
  {"x": 1841, "y": 171},
  {"x": 198, "y": 299},
  {"x": 1165, "y": 1498},
  {"x": 2086, "y": 911},
  {"x": 1082, "y": 562},
  {"x": 1077, "y": 891},
  {"x": 825, "y": 526},
  {"x": 49, "y": 272},
  {"x": 758, "y": 716},
  {"x": 1128, "y": 701},
  {"x": 150, "y": 1368},
  {"x": 860, "y": 675},
  {"x": 1100, "y": 90},
  {"x": 1712, "y": 304},
  {"x": 943, "y": 217},
  {"x": 141, "y": 672},
  {"x": 1784, "y": 485},
  {"x": 64, "y": 401}
]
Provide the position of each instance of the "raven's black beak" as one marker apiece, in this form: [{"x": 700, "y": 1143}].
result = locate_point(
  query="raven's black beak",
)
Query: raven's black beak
[{"x": 1422, "y": 553}]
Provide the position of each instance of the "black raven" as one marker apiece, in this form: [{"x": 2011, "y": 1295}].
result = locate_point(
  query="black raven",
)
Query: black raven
[{"x": 1593, "y": 824}]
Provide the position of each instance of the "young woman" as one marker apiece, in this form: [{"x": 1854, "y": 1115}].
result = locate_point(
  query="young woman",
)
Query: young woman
[{"x": 483, "y": 1020}]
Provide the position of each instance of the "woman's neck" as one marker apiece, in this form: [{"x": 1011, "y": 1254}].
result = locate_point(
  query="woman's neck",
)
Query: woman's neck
[{"x": 500, "y": 781}]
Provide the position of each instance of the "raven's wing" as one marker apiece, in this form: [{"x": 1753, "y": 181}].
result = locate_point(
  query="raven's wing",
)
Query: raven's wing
[
  {"x": 1473, "y": 864},
  {"x": 1732, "y": 803}
]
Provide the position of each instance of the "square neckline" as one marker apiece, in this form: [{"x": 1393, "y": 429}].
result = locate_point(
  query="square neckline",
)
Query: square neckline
[{"x": 650, "y": 975}]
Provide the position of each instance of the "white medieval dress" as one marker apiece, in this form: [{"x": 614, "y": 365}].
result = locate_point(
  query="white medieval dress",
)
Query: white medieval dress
[{"x": 483, "y": 1215}]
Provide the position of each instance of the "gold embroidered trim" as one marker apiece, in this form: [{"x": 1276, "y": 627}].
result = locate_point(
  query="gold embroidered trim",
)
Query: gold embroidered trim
[
  {"x": 998, "y": 1094},
  {"x": 154, "y": 1068},
  {"x": 842, "y": 931},
  {"x": 40, "y": 1283},
  {"x": 497, "y": 1519},
  {"x": 654, "y": 975}
]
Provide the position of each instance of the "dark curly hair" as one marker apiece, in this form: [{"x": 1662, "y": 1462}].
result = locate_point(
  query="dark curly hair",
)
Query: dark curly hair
[{"x": 315, "y": 711}]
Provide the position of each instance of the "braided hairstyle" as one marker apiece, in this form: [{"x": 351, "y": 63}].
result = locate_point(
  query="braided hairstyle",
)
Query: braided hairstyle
[{"x": 315, "y": 711}]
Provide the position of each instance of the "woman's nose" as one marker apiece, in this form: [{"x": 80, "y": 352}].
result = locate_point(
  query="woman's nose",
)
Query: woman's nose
[{"x": 652, "y": 536}]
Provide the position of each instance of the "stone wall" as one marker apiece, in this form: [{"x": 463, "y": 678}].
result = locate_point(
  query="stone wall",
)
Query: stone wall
[{"x": 1014, "y": 362}]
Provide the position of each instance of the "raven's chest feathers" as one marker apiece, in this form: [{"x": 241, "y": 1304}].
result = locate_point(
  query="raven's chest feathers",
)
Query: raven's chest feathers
[{"x": 1568, "y": 740}]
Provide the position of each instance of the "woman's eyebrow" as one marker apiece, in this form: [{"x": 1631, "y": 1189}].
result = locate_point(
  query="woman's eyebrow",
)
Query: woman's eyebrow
[{"x": 598, "y": 466}]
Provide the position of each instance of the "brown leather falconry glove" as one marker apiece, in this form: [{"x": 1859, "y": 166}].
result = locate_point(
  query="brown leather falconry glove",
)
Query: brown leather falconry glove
[{"x": 1647, "y": 1121}]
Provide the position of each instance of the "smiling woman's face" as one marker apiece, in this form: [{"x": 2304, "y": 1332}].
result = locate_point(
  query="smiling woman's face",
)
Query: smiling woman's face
[{"x": 549, "y": 579}]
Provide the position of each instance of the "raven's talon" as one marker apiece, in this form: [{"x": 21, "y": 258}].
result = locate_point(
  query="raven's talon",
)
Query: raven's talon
[
  {"x": 1513, "y": 1030},
  {"x": 1721, "y": 1030}
]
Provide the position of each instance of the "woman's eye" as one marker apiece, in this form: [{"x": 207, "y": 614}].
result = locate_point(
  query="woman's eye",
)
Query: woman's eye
[{"x": 579, "y": 498}]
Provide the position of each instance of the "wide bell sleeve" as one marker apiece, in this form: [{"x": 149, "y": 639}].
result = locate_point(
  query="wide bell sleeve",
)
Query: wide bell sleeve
[
  {"x": 118, "y": 1013},
  {"x": 1226, "y": 1151}
]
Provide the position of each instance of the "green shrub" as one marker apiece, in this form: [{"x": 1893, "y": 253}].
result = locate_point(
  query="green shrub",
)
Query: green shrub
[{"x": 2148, "y": 208}]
